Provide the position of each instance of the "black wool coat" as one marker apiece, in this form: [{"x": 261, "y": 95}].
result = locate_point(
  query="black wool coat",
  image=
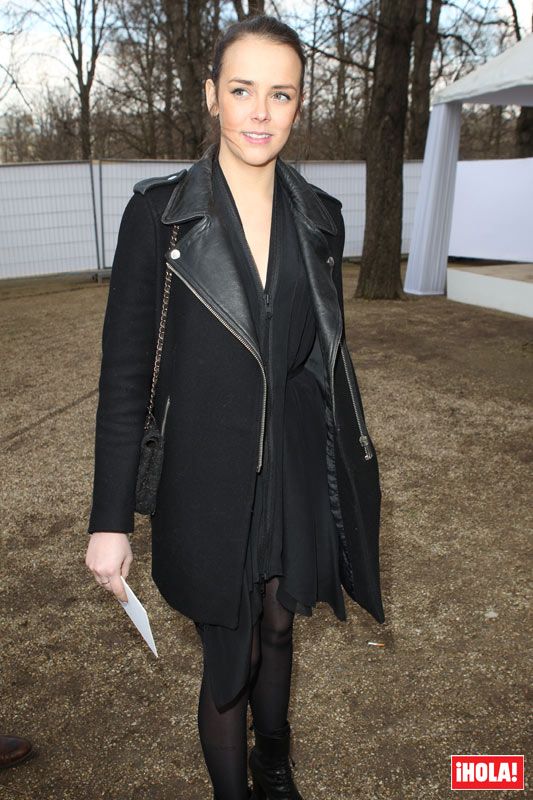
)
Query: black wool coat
[{"x": 211, "y": 394}]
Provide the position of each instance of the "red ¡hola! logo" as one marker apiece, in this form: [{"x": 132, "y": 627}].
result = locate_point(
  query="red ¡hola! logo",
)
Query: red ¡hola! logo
[{"x": 487, "y": 772}]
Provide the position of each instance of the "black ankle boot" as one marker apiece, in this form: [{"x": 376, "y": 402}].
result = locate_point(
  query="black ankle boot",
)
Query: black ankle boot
[
  {"x": 251, "y": 795},
  {"x": 269, "y": 763}
]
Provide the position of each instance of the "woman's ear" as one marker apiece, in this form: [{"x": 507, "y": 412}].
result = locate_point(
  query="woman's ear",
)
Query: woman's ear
[{"x": 211, "y": 97}]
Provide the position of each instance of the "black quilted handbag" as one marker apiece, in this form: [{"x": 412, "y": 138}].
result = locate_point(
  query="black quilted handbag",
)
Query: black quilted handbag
[{"x": 153, "y": 442}]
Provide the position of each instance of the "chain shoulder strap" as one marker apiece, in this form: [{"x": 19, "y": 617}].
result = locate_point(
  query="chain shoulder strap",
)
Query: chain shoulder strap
[{"x": 161, "y": 332}]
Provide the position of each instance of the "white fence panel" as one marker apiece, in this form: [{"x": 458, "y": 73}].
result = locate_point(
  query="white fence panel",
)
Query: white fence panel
[
  {"x": 64, "y": 216},
  {"x": 47, "y": 220}
]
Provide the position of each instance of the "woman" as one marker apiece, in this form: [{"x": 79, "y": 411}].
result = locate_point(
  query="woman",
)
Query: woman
[{"x": 269, "y": 497}]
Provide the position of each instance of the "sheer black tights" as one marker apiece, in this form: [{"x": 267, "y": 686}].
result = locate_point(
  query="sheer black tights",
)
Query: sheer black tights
[
  {"x": 270, "y": 687},
  {"x": 223, "y": 735}
]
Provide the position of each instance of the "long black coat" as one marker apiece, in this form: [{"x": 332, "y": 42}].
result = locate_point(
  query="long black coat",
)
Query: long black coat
[{"x": 211, "y": 394}]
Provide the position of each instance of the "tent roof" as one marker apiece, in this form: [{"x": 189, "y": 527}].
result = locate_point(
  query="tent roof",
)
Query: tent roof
[{"x": 506, "y": 79}]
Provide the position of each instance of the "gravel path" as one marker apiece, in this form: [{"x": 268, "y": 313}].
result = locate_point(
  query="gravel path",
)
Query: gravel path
[{"x": 447, "y": 390}]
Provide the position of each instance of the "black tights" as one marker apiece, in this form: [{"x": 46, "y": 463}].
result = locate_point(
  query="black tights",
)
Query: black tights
[{"x": 223, "y": 734}]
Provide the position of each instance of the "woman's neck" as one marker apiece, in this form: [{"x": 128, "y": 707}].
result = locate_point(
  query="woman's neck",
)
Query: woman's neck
[{"x": 248, "y": 182}]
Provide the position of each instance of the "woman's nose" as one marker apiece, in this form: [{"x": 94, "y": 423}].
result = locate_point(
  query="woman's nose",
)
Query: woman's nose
[{"x": 261, "y": 110}]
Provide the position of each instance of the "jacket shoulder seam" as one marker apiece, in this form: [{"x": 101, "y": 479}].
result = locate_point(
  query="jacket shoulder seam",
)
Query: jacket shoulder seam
[{"x": 144, "y": 185}]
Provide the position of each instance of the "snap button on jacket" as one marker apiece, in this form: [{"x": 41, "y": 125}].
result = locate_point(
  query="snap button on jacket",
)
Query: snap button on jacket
[{"x": 211, "y": 394}]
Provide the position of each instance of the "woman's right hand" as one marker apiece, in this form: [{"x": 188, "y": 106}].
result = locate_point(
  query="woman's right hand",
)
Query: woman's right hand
[{"x": 108, "y": 557}]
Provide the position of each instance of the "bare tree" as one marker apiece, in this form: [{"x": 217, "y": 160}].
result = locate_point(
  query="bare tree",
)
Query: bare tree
[
  {"x": 254, "y": 7},
  {"x": 9, "y": 68},
  {"x": 82, "y": 26},
  {"x": 138, "y": 84},
  {"x": 424, "y": 40},
  {"x": 339, "y": 40},
  {"x": 192, "y": 47},
  {"x": 380, "y": 264},
  {"x": 152, "y": 103}
]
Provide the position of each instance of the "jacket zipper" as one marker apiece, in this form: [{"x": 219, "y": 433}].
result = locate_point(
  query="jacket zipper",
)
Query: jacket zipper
[
  {"x": 252, "y": 351},
  {"x": 363, "y": 433}
]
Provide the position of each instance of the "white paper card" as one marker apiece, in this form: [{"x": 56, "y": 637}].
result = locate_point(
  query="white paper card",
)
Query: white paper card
[{"x": 137, "y": 613}]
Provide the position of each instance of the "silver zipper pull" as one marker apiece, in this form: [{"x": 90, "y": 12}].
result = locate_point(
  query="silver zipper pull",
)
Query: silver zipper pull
[{"x": 366, "y": 446}]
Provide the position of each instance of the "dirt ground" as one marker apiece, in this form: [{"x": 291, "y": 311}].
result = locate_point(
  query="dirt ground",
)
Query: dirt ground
[{"x": 447, "y": 390}]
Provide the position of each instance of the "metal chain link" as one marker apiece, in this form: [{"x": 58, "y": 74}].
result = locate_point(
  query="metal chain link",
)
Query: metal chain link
[{"x": 161, "y": 333}]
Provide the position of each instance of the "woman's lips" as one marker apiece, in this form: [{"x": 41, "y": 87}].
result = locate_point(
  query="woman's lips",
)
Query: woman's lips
[{"x": 258, "y": 139}]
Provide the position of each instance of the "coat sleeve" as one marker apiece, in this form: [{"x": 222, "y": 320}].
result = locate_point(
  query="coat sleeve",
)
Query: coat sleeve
[{"x": 127, "y": 354}]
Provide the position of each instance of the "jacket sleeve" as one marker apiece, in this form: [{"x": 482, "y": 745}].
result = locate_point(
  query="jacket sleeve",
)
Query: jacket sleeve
[{"x": 127, "y": 354}]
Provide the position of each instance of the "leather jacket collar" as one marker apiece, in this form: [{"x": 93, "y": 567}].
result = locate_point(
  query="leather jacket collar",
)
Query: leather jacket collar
[
  {"x": 193, "y": 196},
  {"x": 204, "y": 261}
]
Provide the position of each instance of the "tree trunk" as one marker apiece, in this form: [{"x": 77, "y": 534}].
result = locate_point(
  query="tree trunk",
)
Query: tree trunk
[
  {"x": 85, "y": 123},
  {"x": 170, "y": 24},
  {"x": 524, "y": 123},
  {"x": 424, "y": 40},
  {"x": 306, "y": 141},
  {"x": 380, "y": 265},
  {"x": 191, "y": 63},
  {"x": 524, "y": 133}
]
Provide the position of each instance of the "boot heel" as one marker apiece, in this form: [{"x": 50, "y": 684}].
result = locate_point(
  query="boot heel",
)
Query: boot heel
[{"x": 258, "y": 793}]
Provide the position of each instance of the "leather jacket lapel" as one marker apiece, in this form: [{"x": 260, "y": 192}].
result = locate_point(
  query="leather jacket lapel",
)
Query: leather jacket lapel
[
  {"x": 311, "y": 218},
  {"x": 207, "y": 265},
  {"x": 206, "y": 262},
  {"x": 316, "y": 256}
]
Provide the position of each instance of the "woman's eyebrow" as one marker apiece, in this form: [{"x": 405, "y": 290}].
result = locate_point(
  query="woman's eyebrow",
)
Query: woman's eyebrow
[{"x": 274, "y": 86}]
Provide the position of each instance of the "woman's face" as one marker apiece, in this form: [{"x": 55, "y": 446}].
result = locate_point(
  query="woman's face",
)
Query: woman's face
[{"x": 258, "y": 93}]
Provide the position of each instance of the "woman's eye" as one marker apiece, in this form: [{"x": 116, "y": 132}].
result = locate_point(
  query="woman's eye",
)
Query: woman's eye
[{"x": 277, "y": 94}]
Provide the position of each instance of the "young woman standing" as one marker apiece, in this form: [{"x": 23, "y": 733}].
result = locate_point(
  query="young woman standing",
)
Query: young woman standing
[{"x": 269, "y": 499}]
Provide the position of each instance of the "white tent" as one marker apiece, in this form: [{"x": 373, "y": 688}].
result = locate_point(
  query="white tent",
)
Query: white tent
[{"x": 504, "y": 80}]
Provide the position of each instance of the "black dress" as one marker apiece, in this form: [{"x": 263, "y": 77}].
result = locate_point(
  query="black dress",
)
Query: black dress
[{"x": 292, "y": 530}]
